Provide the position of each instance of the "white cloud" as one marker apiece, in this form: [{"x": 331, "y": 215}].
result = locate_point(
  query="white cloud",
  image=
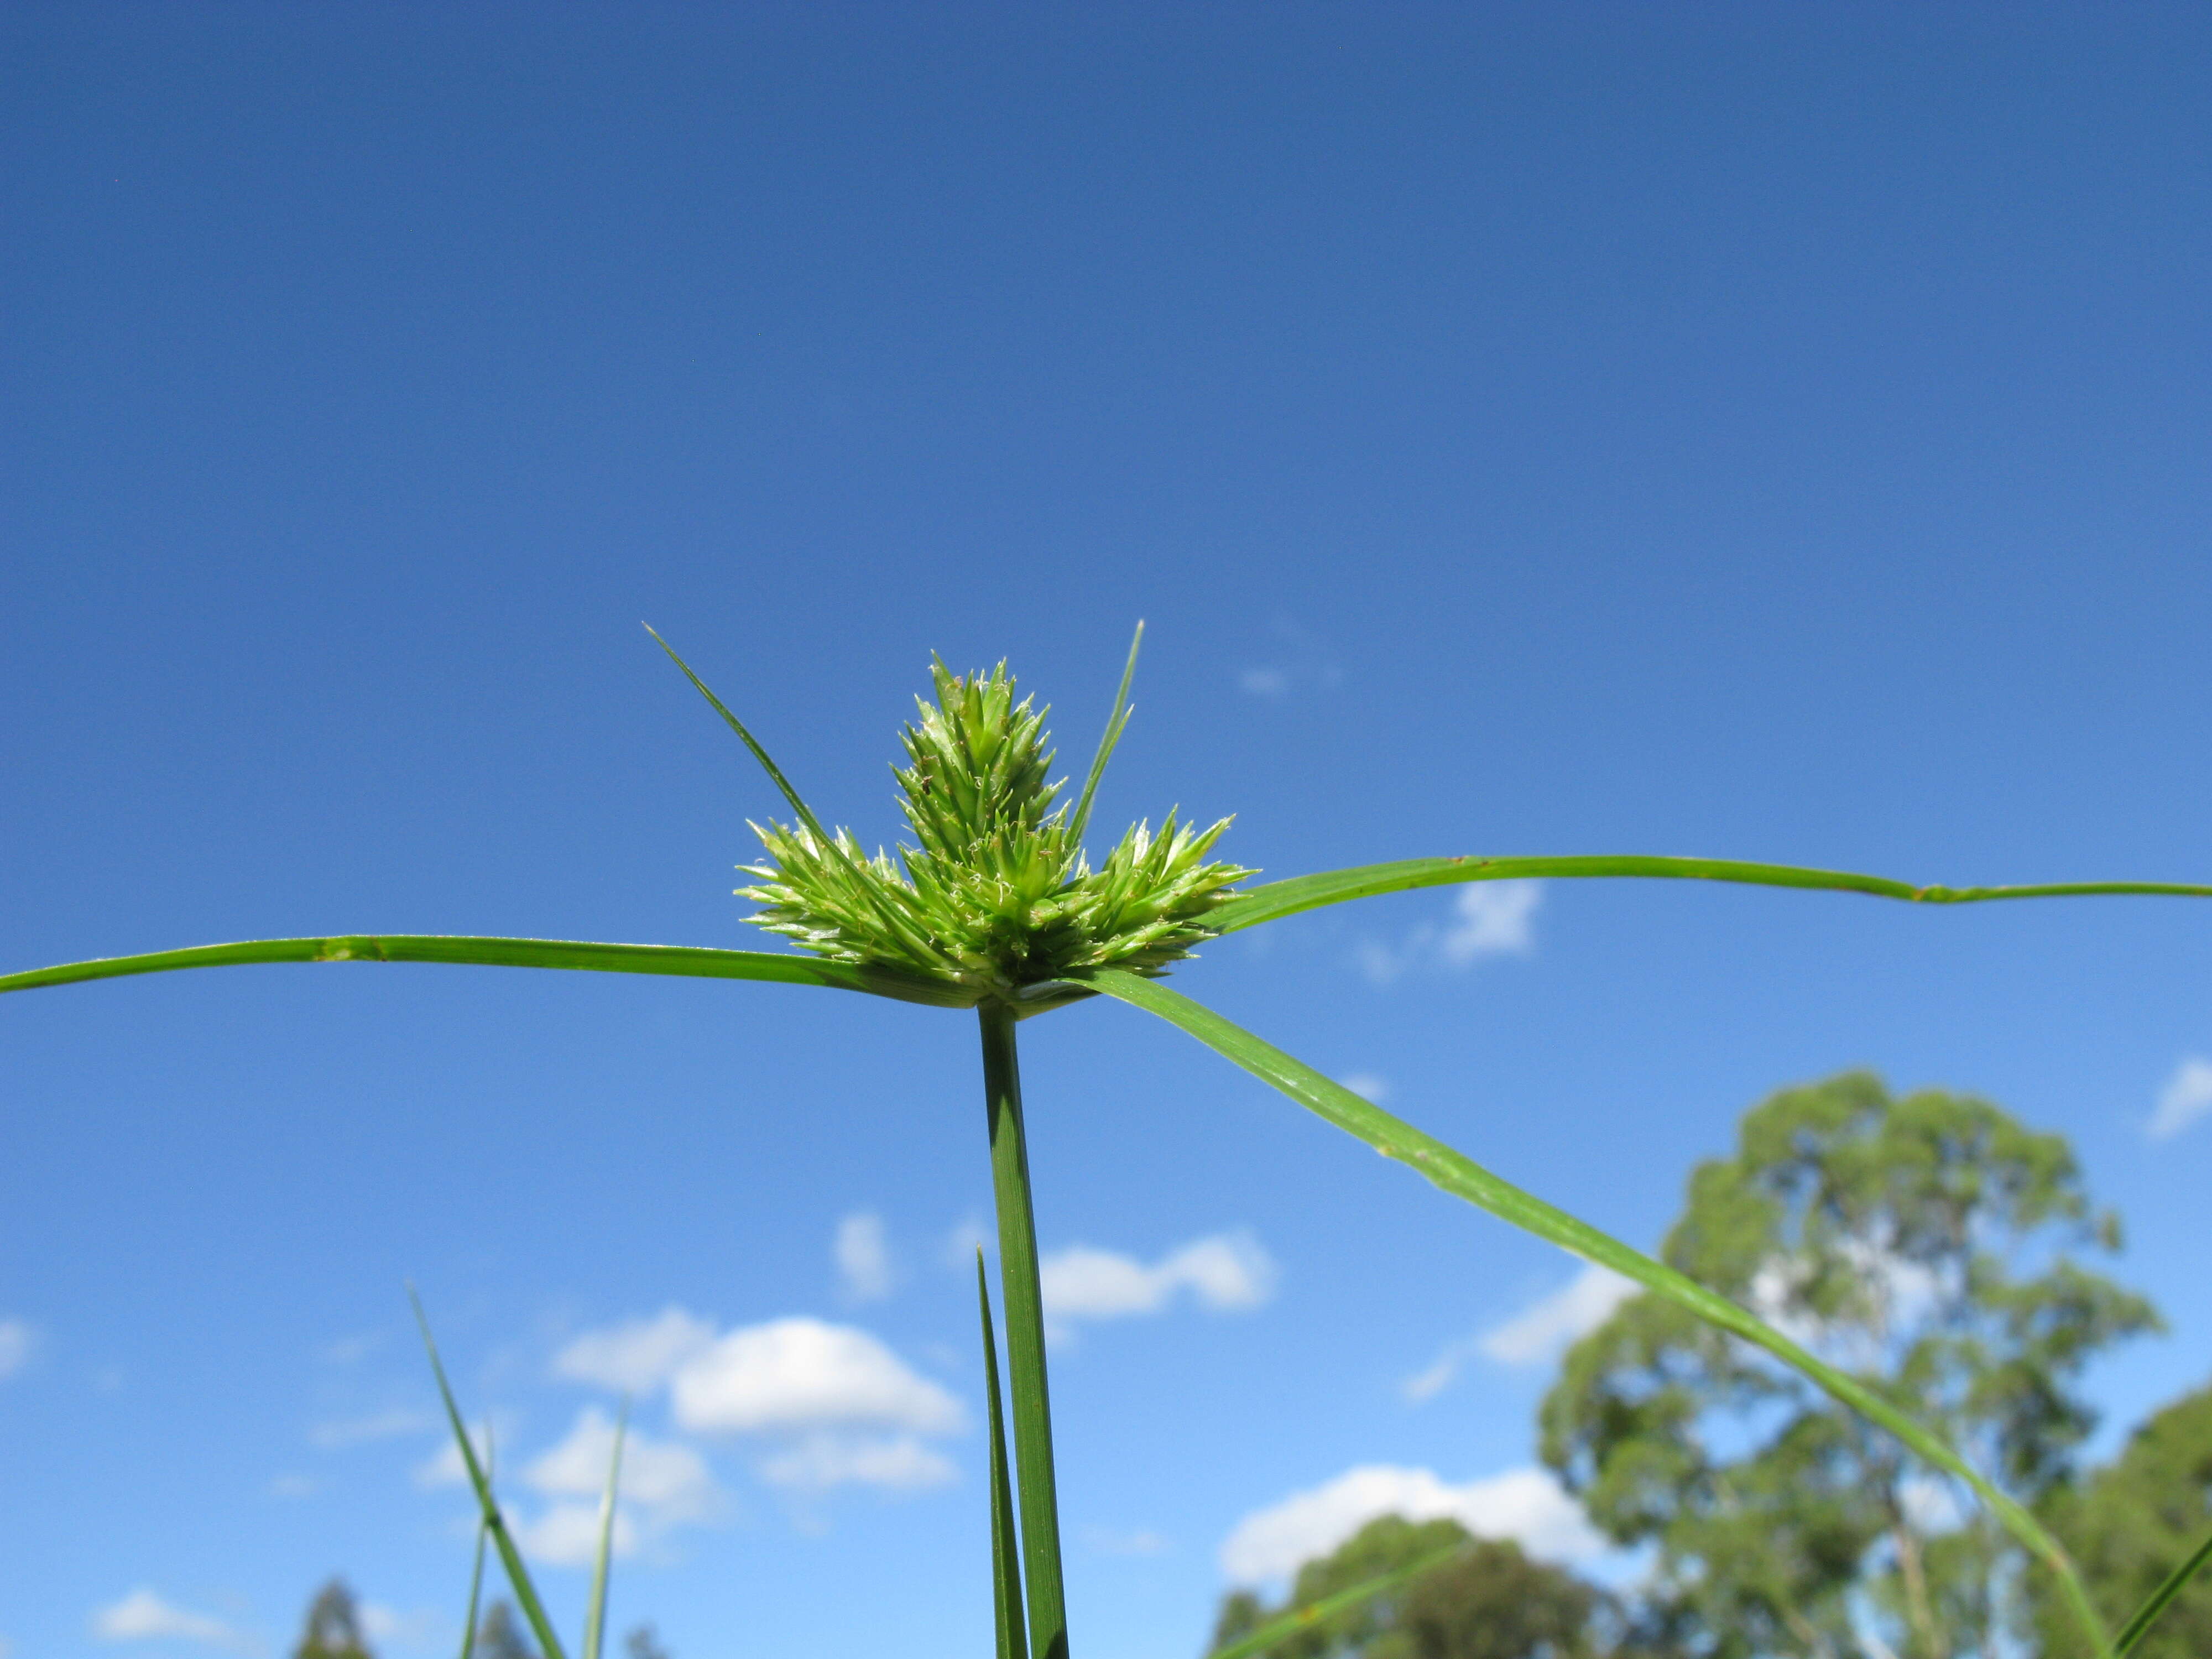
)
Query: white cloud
[
  {"x": 1226, "y": 1273},
  {"x": 16, "y": 1341},
  {"x": 350, "y": 1350},
  {"x": 1137, "y": 1543},
  {"x": 143, "y": 1616},
  {"x": 1264, "y": 683},
  {"x": 637, "y": 1355},
  {"x": 1368, "y": 1086},
  {"x": 1488, "y": 919},
  {"x": 792, "y": 1375},
  {"x": 1538, "y": 1333},
  {"x": 665, "y": 1480},
  {"x": 444, "y": 1466},
  {"x": 379, "y": 1426},
  {"x": 816, "y": 1462},
  {"x": 2187, "y": 1097},
  {"x": 863, "y": 1258},
  {"x": 568, "y": 1534},
  {"x": 962, "y": 1243},
  {"x": 1527, "y": 1504},
  {"x": 388, "y": 1625},
  {"x": 292, "y": 1486}
]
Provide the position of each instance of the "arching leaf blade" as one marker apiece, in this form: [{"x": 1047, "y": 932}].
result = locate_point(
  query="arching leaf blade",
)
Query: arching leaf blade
[
  {"x": 776, "y": 772},
  {"x": 1114, "y": 722},
  {"x": 683, "y": 961},
  {"x": 1276, "y": 899},
  {"x": 1279, "y": 1630},
  {"x": 1006, "y": 1604},
  {"x": 1462, "y": 1177}
]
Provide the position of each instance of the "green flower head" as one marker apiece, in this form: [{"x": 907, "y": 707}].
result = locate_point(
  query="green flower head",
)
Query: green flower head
[{"x": 997, "y": 892}]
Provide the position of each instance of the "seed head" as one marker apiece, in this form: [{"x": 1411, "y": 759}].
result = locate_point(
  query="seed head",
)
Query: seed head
[{"x": 997, "y": 893}]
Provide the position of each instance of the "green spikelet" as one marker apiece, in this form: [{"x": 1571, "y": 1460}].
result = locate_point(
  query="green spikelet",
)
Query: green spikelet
[{"x": 997, "y": 892}]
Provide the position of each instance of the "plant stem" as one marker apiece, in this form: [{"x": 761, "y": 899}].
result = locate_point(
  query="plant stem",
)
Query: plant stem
[{"x": 1025, "y": 1309}]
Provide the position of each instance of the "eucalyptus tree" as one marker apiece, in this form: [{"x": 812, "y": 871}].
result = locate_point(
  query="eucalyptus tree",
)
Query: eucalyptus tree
[
  {"x": 1925, "y": 1246},
  {"x": 997, "y": 909}
]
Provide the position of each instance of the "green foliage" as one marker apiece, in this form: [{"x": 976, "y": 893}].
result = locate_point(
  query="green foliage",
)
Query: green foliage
[
  {"x": 1484, "y": 1600},
  {"x": 1922, "y": 1245},
  {"x": 333, "y": 1629},
  {"x": 2131, "y": 1521},
  {"x": 998, "y": 892}
]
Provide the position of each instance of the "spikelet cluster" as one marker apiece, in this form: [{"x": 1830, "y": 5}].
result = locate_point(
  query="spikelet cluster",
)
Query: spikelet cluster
[{"x": 996, "y": 892}]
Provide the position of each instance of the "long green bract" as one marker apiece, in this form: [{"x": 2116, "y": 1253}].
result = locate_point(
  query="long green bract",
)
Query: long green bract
[
  {"x": 687, "y": 961},
  {"x": 1298, "y": 1619},
  {"x": 1277, "y": 899},
  {"x": 494, "y": 1522},
  {"x": 1462, "y": 1177},
  {"x": 2144, "y": 1617},
  {"x": 1080, "y": 819}
]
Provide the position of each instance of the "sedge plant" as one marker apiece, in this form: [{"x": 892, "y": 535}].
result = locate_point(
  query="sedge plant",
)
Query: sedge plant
[{"x": 996, "y": 907}]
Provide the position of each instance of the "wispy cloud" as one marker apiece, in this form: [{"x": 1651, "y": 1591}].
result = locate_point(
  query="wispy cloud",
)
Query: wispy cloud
[
  {"x": 378, "y": 1425},
  {"x": 1536, "y": 1335},
  {"x": 1526, "y": 1504},
  {"x": 2187, "y": 1097},
  {"x": 350, "y": 1350},
  {"x": 638, "y": 1355},
  {"x": 1103, "y": 1541},
  {"x": 143, "y": 1616},
  {"x": 1225, "y": 1273},
  {"x": 292, "y": 1486},
  {"x": 17, "y": 1338},
  {"x": 862, "y": 1252},
  {"x": 1488, "y": 919},
  {"x": 664, "y": 1485},
  {"x": 817, "y": 1462},
  {"x": 1368, "y": 1086}
]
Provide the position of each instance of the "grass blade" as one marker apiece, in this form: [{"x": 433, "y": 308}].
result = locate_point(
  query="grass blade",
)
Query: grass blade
[
  {"x": 1025, "y": 1359},
  {"x": 691, "y": 961},
  {"x": 1114, "y": 722},
  {"x": 518, "y": 1575},
  {"x": 1296, "y": 1619},
  {"x": 2144, "y": 1617},
  {"x": 1277, "y": 899},
  {"x": 595, "y": 1609},
  {"x": 1462, "y": 1177},
  {"x": 805, "y": 812},
  {"x": 476, "y": 1592},
  {"x": 1005, "y": 1556}
]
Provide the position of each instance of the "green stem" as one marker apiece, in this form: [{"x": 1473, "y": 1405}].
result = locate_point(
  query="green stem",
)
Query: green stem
[{"x": 1025, "y": 1305}]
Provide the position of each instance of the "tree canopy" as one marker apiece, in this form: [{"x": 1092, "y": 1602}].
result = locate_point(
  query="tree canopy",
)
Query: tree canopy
[
  {"x": 333, "y": 1629},
  {"x": 1927, "y": 1245},
  {"x": 1488, "y": 1601}
]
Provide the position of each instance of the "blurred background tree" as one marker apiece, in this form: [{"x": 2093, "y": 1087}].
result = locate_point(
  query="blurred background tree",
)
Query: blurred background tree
[
  {"x": 1922, "y": 1244},
  {"x": 2131, "y": 1523},
  {"x": 502, "y": 1635},
  {"x": 333, "y": 1629},
  {"x": 1488, "y": 1601}
]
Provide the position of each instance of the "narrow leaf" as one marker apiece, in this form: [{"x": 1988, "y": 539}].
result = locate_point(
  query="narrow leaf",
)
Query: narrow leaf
[
  {"x": 1114, "y": 722},
  {"x": 1005, "y": 1551},
  {"x": 1290, "y": 1624},
  {"x": 1277, "y": 899},
  {"x": 689, "y": 961},
  {"x": 1462, "y": 1177},
  {"x": 2145, "y": 1616},
  {"x": 805, "y": 812},
  {"x": 476, "y": 1590},
  {"x": 494, "y": 1522},
  {"x": 595, "y": 1609}
]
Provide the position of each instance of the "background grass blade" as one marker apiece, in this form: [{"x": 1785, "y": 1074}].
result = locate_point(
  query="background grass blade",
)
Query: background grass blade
[
  {"x": 2144, "y": 1617},
  {"x": 687, "y": 961},
  {"x": 1005, "y": 1556},
  {"x": 1463, "y": 1177},
  {"x": 518, "y": 1575},
  {"x": 1114, "y": 722},
  {"x": 595, "y": 1609},
  {"x": 1290, "y": 1624},
  {"x": 1276, "y": 899},
  {"x": 1042, "y": 1585},
  {"x": 476, "y": 1592}
]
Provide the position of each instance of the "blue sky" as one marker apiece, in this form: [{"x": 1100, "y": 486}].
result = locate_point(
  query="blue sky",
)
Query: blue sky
[{"x": 1747, "y": 431}]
